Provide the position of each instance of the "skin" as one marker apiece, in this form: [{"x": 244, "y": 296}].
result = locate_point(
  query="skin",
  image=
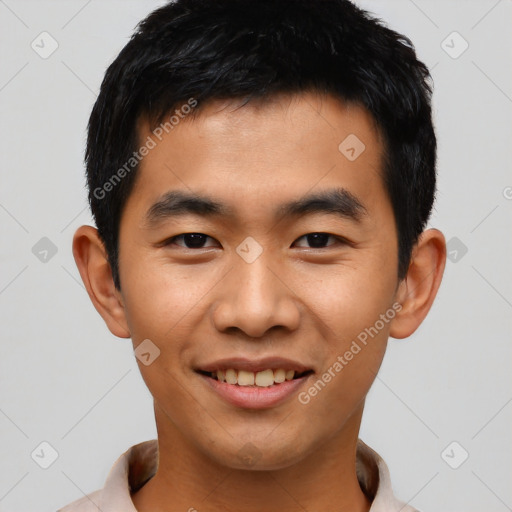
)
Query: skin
[{"x": 306, "y": 304}]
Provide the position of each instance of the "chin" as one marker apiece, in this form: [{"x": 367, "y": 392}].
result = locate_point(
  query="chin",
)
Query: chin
[{"x": 258, "y": 455}]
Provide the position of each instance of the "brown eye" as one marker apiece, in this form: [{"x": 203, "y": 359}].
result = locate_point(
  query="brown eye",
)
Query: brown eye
[
  {"x": 318, "y": 240},
  {"x": 190, "y": 240}
]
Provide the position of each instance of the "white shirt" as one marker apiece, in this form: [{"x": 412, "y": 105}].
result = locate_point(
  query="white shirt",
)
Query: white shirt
[{"x": 138, "y": 465}]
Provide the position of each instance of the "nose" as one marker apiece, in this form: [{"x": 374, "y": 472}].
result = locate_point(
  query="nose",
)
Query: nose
[{"x": 255, "y": 298}]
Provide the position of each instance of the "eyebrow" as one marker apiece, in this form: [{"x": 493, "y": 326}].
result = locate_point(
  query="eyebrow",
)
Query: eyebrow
[{"x": 337, "y": 201}]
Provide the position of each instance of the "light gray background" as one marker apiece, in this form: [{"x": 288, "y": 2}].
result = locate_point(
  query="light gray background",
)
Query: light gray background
[{"x": 66, "y": 380}]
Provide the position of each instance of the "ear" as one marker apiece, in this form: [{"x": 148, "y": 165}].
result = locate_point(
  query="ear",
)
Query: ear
[
  {"x": 91, "y": 260},
  {"x": 417, "y": 291}
]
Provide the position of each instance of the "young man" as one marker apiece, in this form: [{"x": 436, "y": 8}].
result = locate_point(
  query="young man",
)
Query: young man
[{"x": 261, "y": 175}]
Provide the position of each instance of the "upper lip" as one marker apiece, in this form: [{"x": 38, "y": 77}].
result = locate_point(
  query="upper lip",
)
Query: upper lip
[{"x": 254, "y": 365}]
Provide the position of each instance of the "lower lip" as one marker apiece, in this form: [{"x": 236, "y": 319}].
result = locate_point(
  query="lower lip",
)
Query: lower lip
[{"x": 255, "y": 397}]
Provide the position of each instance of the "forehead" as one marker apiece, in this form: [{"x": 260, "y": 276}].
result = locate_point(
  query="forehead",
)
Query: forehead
[{"x": 263, "y": 153}]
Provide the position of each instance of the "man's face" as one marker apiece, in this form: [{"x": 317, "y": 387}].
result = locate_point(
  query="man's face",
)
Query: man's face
[{"x": 258, "y": 281}]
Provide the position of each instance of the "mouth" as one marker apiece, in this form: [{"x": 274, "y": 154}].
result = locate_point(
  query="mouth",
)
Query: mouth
[
  {"x": 250, "y": 384},
  {"x": 264, "y": 378}
]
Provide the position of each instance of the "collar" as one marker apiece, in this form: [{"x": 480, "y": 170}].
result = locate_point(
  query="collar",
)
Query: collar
[{"x": 139, "y": 464}]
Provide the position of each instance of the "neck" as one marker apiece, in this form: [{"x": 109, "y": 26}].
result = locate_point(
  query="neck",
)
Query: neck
[{"x": 187, "y": 480}]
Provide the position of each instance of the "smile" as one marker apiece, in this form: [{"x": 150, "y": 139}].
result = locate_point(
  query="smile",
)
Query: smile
[
  {"x": 262, "y": 379},
  {"x": 258, "y": 389}
]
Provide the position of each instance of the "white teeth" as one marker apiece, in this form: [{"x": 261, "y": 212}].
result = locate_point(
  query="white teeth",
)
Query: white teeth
[
  {"x": 279, "y": 376},
  {"x": 245, "y": 378},
  {"x": 231, "y": 376},
  {"x": 262, "y": 379}
]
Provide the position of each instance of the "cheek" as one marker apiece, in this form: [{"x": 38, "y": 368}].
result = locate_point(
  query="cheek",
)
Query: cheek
[
  {"x": 348, "y": 299},
  {"x": 164, "y": 304},
  {"x": 353, "y": 353},
  {"x": 353, "y": 311},
  {"x": 160, "y": 297},
  {"x": 339, "y": 390}
]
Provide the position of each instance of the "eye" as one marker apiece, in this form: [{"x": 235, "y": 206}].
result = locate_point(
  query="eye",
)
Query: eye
[
  {"x": 319, "y": 240},
  {"x": 191, "y": 240},
  {"x": 198, "y": 240}
]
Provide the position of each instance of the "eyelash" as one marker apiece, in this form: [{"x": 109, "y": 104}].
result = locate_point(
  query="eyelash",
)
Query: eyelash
[{"x": 170, "y": 241}]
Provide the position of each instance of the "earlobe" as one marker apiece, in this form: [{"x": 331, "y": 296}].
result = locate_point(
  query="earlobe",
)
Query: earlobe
[
  {"x": 417, "y": 291},
  {"x": 91, "y": 260}
]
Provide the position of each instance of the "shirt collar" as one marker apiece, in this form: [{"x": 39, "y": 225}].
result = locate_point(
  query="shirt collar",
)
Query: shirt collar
[{"x": 139, "y": 464}]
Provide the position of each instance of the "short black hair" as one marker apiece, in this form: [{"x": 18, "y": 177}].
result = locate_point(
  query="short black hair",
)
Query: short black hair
[{"x": 203, "y": 50}]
